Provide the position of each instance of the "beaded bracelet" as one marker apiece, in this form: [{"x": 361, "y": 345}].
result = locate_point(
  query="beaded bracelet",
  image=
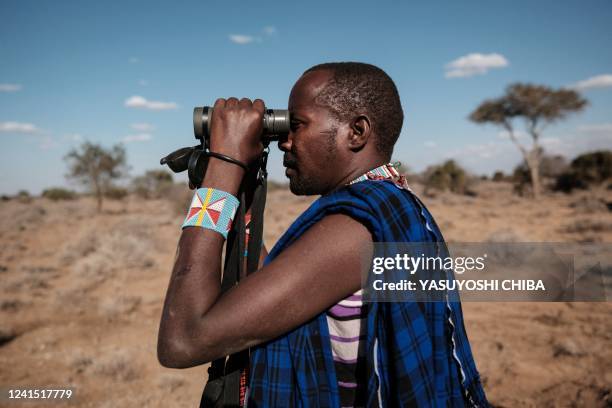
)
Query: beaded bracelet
[{"x": 212, "y": 209}]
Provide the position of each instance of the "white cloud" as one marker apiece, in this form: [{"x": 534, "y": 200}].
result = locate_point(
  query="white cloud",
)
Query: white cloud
[
  {"x": 18, "y": 127},
  {"x": 430, "y": 144},
  {"x": 142, "y": 103},
  {"x": 139, "y": 137},
  {"x": 10, "y": 87},
  {"x": 134, "y": 60},
  {"x": 241, "y": 39},
  {"x": 599, "y": 81},
  {"x": 142, "y": 127},
  {"x": 474, "y": 64},
  {"x": 269, "y": 30},
  {"x": 73, "y": 137}
]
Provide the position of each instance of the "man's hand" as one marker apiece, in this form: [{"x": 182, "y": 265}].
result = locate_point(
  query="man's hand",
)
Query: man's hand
[{"x": 237, "y": 127}]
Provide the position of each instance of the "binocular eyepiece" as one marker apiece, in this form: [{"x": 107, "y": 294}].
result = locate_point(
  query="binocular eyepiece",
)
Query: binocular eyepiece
[
  {"x": 194, "y": 159},
  {"x": 275, "y": 123}
]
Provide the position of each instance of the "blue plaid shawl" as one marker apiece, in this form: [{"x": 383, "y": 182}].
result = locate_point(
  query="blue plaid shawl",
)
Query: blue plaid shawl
[{"x": 418, "y": 353}]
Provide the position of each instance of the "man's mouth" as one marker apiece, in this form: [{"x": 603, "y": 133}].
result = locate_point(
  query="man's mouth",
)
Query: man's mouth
[{"x": 289, "y": 162}]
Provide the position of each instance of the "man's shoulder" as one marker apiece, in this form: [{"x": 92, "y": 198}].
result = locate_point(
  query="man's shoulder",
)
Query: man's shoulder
[
  {"x": 375, "y": 192},
  {"x": 381, "y": 199}
]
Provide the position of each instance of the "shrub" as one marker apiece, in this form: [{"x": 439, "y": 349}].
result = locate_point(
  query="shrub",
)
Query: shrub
[
  {"x": 179, "y": 196},
  {"x": 498, "y": 176},
  {"x": 23, "y": 196},
  {"x": 586, "y": 170},
  {"x": 153, "y": 184},
  {"x": 115, "y": 193},
  {"x": 448, "y": 176},
  {"x": 58, "y": 193}
]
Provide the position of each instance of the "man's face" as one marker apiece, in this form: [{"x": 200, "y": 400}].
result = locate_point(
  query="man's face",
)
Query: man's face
[{"x": 311, "y": 148}]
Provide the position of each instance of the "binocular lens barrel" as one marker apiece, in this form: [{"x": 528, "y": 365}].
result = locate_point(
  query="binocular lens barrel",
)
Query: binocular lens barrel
[{"x": 276, "y": 123}]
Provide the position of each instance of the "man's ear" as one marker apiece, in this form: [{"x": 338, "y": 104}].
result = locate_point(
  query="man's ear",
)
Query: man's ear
[{"x": 361, "y": 130}]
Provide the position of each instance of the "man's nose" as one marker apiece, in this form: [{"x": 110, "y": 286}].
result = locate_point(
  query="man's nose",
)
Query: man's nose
[{"x": 284, "y": 142}]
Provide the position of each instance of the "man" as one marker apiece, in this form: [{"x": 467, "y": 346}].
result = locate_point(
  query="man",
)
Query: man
[{"x": 345, "y": 119}]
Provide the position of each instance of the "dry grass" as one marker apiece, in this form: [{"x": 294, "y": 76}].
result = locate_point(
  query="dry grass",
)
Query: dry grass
[
  {"x": 83, "y": 293},
  {"x": 119, "y": 306},
  {"x": 118, "y": 365},
  {"x": 169, "y": 382},
  {"x": 587, "y": 225}
]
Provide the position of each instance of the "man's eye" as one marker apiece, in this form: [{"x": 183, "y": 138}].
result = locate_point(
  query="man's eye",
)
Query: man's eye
[{"x": 295, "y": 124}]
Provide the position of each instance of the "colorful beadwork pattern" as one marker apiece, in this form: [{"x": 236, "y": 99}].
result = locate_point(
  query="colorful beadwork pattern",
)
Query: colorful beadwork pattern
[
  {"x": 212, "y": 209},
  {"x": 386, "y": 171}
]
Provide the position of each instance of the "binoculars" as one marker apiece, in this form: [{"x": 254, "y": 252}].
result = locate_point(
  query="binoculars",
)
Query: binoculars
[
  {"x": 275, "y": 123},
  {"x": 194, "y": 159}
]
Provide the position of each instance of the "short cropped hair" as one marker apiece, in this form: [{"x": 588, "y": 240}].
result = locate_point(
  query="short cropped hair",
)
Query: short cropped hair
[{"x": 355, "y": 87}]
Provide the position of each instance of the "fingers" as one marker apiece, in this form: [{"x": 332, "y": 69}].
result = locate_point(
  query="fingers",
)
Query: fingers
[
  {"x": 245, "y": 103},
  {"x": 231, "y": 102},
  {"x": 219, "y": 103},
  {"x": 259, "y": 105}
]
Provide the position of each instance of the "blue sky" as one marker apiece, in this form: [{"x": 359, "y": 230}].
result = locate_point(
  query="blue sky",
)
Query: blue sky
[{"x": 131, "y": 72}]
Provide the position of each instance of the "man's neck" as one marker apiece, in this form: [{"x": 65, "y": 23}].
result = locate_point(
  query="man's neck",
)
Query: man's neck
[{"x": 360, "y": 168}]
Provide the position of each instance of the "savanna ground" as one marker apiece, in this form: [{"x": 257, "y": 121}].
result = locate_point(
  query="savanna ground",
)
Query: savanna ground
[{"x": 81, "y": 296}]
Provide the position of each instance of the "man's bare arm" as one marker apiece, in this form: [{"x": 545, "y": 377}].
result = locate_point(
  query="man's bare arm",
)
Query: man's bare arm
[{"x": 198, "y": 325}]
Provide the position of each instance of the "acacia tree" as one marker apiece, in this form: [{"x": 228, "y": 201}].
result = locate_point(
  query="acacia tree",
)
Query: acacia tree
[
  {"x": 538, "y": 106},
  {"x": 96, "y": 167}
]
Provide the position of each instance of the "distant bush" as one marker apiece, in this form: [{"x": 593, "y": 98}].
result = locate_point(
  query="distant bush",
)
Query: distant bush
[
  {"x": 179, "y": 196},
  {"x": 448, "y": 176},
  {"x": 498, "y": 176},
  {"x": 569, "y": 181},
  {"x": 23, "y": 196},
  {"x": 115, "y": 193},
  {"x": 58, "y": 193},
  {"x": 153, "y": 184},
  {"x": 586, "y": 170}
]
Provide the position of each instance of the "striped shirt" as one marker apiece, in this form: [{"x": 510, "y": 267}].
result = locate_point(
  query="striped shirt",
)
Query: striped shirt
[{"x": 345, "y": 320}]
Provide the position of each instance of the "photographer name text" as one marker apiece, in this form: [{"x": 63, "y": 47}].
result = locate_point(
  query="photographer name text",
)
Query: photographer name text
[{"x": 462, "y": 285}]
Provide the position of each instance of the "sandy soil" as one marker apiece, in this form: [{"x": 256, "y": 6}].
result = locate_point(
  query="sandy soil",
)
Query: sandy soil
[{"x": 81, "y": 295}]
